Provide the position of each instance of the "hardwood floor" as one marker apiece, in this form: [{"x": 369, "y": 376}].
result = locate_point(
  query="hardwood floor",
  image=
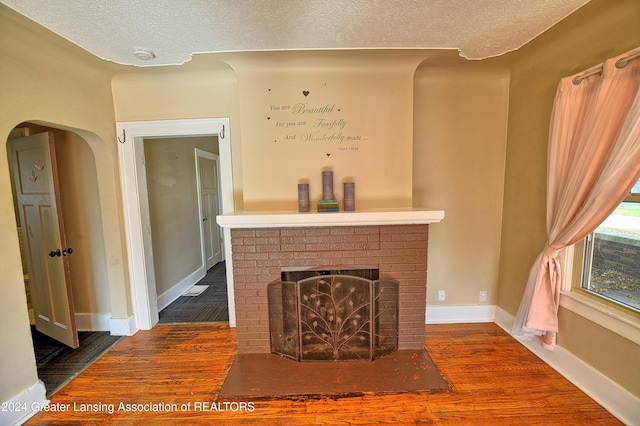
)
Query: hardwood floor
[{"x": 494, "y": 380}]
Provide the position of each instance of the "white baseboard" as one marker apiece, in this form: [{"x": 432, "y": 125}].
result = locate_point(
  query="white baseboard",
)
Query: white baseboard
[
  {"x": 123, "y": 326},
  {"x": 93, "y": 322},
  {"x": 127, "y": 326},
  {"x": 166, "y": 298},
  {"x": 24, "y": 405},
  {"x": 460, "y": 314},
  {"x": 614, "y": 398}
]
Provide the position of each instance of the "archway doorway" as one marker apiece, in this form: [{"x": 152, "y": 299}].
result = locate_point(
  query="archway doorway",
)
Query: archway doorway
[{"x": 88, "y": 284}]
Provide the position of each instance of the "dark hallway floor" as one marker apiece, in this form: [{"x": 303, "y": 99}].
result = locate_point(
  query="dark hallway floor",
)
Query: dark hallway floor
[
  {"x": 210, "y": 306},
  {"x": 58, "y": 364}
]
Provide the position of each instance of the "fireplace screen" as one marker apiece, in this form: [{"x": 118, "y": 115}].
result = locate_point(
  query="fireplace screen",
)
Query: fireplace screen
[{"x": 333, "y": 318}]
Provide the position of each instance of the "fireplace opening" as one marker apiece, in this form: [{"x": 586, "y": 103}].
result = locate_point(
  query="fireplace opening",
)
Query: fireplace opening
[
  {"x": 333, "y": 315},
  {"x": 297, "y": 275}
]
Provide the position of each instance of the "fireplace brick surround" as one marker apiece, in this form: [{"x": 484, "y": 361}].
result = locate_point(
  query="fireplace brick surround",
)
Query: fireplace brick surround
[{"x": 260, "y": 254}]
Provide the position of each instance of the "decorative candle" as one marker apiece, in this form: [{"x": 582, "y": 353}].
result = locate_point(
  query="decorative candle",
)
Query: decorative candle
[
  {"x": 349, "y": 197},
  {"x": 303, "y": 197},
  {"x": 327, "y": 185}
]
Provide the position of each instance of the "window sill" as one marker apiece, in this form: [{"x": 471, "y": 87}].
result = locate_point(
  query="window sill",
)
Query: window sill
[{"x": 620, "y": 323}]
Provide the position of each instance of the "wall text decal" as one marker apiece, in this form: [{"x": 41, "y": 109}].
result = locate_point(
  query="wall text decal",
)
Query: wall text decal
[{"x": 310, "y": 122}]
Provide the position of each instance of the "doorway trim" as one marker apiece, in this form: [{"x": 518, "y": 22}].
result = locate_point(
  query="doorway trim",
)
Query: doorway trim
[{"x": 131, "y": 135}]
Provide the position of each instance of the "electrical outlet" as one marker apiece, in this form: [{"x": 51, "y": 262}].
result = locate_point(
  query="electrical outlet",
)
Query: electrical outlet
[
  {"x": 440, "y": 295},
  {"x": 483, "y": 296}
]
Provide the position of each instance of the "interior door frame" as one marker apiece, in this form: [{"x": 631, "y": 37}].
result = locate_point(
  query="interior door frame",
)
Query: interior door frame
[
  {"x": 131, "y": 135},
  {"x": 201, "y": 153}
]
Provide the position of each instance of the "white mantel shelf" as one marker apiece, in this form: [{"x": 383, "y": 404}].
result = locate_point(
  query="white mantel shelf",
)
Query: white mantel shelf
[{"x": 242, "y": 219}]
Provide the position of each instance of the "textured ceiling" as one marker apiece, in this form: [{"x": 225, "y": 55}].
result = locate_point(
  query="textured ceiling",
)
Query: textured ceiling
[{"x": 176, "y": 29}]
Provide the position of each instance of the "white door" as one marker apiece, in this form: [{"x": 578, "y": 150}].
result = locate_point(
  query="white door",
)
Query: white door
[
  {"x": 209, "y": 192},
  {"x": 46, "y": 251}
]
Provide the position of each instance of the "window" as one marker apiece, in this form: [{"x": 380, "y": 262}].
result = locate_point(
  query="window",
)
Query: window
[{"x": 611, "y": 259}]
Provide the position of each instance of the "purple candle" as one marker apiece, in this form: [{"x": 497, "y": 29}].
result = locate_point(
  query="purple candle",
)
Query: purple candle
[
  {"x": 349, "y": 197},
  {"x": 327, "y": 185},
  {"x": 303, "y": 197}
]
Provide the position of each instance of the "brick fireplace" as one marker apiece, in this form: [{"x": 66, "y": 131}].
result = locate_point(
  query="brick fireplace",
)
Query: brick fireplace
[{"x": 265, "y": 245}]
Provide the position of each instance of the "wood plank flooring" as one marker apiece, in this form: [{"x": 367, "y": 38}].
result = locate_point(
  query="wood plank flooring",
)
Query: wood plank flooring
[{"x": 494, "y": 380}]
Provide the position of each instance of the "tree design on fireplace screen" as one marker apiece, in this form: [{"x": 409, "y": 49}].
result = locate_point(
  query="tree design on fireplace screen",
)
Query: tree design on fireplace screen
[{"x": 333, "y": 318}]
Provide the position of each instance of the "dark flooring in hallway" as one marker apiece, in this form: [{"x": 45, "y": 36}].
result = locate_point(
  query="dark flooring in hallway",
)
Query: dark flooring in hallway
[{"x": 210, "y": 306}]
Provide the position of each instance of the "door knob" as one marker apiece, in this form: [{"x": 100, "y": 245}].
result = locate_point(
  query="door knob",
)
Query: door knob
[
  {"x": 67, "y": 251},
  {"x": 54, "y": 253}
]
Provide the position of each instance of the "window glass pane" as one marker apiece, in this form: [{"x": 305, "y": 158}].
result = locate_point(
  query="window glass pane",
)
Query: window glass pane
[
  {"x": 636, "y": 188},
  {"x": 613, "y": 257}
]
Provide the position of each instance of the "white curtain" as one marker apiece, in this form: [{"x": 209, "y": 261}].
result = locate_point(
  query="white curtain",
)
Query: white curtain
[{"x": 593, "y": 162}]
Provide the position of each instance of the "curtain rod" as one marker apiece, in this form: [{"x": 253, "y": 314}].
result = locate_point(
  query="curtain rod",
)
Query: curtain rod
[{"x": 620, "y": 63}]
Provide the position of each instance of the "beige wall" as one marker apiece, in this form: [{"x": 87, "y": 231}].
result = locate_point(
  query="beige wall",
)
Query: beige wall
[
  {"x": 45, "y": 78},
  {"x": 173, "y": 207},
  {"x": 82, "y": 211},
  {"x": 459, "y": 153},
  {"x": 600, "y": 30},
  {"x": 372, "y": 93},
  {"x": 460, "y": 115},
  {"x": 346, "y": 111},
  {"x": 205, "y": 87}
]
